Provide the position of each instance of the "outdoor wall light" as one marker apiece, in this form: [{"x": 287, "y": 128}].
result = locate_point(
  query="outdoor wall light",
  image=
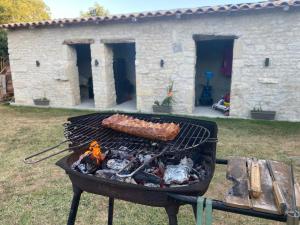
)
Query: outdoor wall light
[
  {"x": 37, "y": 63},
  {"x": 267, "y": 62},
  {"x": 96, "y": 62},
  {"x": 162, "y": 63}
]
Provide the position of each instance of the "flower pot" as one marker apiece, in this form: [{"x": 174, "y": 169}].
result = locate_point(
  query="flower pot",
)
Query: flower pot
[
  {"x": 263, "y": 115},
  {"x": 162, "y": 109},
  {"x": 41, "y": 102}
]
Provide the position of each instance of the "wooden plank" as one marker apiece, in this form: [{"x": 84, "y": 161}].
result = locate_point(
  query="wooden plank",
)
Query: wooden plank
[
  {"x": 297, "y": 191},
  {"x": 266, "y": 201},
  {"x": 204, "y": 37},
  {"x": 238, "y": 195},
  {"x": 255, "y": 181},
  {"x": 117, "y": 41},
  {"x": 283, "y": 178},
  {"x": 78, "y": 41}
]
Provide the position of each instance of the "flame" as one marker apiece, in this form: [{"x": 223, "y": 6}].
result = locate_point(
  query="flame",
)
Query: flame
[{"x": 96, "y": 152}]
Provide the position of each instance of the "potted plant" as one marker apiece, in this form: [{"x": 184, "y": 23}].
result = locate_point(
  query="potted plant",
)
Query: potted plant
[
  {"x": 260, "y": 114},
  {"x": 41, "y": 101},
  {"x": 166, "y": 105}
]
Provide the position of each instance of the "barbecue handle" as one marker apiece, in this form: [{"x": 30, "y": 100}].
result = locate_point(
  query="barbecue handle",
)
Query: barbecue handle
[
  {"x": 279, "y": 198},
  {"x": 28, "y": 160}
]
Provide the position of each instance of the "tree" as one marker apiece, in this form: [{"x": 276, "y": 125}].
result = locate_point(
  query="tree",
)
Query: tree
[
  {"x": 3, "y": 44},
  {"x": 96, "y": 10},
  {"x": 13, "y": 11}
]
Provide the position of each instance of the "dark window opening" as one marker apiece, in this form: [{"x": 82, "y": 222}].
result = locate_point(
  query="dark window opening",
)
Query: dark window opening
[
  {"x": 124, "y": 71},
  {"x": 213, "y": 71},
  {"x": 85, "y": 71}
]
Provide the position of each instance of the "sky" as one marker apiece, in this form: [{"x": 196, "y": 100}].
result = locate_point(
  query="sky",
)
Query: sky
[{"x": 72, "y": 8}]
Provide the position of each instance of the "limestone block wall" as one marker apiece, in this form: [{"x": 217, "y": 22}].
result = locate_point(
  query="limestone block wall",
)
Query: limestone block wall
[{"x": 273, "y": 34}]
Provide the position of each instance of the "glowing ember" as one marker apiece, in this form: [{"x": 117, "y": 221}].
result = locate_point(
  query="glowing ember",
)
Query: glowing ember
[{"x": 95, "y": 151}]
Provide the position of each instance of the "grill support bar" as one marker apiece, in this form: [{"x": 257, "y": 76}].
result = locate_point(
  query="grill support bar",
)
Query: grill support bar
[
  {"x": 74, "y": 206},
  {"x": 75, "y": 203},
  {"x": 172, "y": 212},
  {"x": 219, "y": 205},
  {"x": 110, "y": 211}
]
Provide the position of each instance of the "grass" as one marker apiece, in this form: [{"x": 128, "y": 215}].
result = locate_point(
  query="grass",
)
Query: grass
[{"x": 41, "y": 194}]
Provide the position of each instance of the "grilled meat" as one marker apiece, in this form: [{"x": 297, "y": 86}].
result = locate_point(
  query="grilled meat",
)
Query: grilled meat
[{"x": 142, "y": 128}]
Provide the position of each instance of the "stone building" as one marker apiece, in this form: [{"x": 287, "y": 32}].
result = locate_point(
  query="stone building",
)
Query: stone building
[{"x": 252, "y": 52}]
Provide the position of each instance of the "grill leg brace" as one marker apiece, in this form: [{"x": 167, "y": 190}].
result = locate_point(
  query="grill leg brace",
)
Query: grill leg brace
[
  {"x": 172, "y": 211},
  {"x": 110, "y": 211},
  {"x": 74, "y": 206}
]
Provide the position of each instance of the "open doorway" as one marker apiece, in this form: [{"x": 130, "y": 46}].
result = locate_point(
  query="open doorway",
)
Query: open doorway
[
  {"x": 83, "y": 52},
  {"x": 124, "y": 75},
  {"x": 213, "y": 76}
]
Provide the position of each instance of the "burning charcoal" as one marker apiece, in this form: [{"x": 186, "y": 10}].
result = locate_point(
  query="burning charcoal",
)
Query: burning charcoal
[
  {"x": 115, "y": 177},
  {"x": 193, "y": 182},
  {"x": 194, "y": 177},
  {"x": 77, "y": 163},
  {"x": 105, "y": 173},
  {"x": 117, "y": 164},
  {"x": 151, "y": 185},
  {"x": 119, "y": 154},
  {"x": 144, "y": 158},
  {"x": 123, "y": 148},
  {"x": 200, "y": 174},
  {"x": 90, "y": 161},
  {"x": 161, "y": 169},
  {"x": 149, "y": 170},
  {"x": 187, "y": 162},
  {"x": 86, "y": 164},
  {"x": 130, "y": 180},
  {"x": 143, "y": 177}
]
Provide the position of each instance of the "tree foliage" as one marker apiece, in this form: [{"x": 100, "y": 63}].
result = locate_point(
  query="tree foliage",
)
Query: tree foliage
[
  {"x": 3, "y": 44},
  {"x": 12, "y": 11},
  {"x": 96, "y": 10}
]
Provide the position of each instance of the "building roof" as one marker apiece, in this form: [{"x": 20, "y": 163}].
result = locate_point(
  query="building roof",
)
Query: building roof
[{"x": 176, "y": 13}]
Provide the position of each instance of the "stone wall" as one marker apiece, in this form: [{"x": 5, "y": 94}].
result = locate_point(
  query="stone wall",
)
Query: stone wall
[{"x": 273, "y": 34}]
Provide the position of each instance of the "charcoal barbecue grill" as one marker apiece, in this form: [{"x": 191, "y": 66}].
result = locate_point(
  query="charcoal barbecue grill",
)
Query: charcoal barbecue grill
[{"x": 197, "y": 139}]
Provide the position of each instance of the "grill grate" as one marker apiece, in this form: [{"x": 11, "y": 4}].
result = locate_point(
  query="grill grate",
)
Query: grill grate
[{"x": 84, "y": 129}]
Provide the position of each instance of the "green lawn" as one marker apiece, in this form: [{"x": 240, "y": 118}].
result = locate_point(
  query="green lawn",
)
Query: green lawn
[{"x": 41, "y": 194}]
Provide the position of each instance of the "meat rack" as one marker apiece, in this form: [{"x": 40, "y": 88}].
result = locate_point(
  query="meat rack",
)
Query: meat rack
[{"x": 82, "y": 130}]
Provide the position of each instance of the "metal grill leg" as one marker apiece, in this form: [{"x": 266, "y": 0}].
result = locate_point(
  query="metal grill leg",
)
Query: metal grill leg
[
  {"x": 172, "y": 211},
  {"x": 74, "y": 206},
  {"x": 110, "y": 211},
  {"x": 195, "y": 211}
]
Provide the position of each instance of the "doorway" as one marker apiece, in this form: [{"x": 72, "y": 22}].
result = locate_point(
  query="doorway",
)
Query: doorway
[
  {"x": 83, "y": 52},
  {"x": 213, "y": 75},
  {"x": 124, "y": 74}
]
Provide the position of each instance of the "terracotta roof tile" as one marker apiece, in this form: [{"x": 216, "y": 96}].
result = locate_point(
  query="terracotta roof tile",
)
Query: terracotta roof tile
[{"x": 160, "y": 13}]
